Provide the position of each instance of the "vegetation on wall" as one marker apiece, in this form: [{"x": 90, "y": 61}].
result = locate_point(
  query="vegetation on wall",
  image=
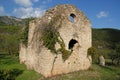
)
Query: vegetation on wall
[
  {"x": 50, "y": 36},
  {"x": 24, "y": 34},
  {"x": 65, "y": 53}
]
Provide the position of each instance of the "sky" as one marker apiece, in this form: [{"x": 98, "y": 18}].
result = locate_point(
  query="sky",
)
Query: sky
[{"x": 101, "y": 13}]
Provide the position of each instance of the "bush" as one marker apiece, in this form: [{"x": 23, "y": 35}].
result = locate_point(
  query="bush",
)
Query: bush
[
  {"x": 9, "y": 74},
  {"x": 93, "y": 53}
]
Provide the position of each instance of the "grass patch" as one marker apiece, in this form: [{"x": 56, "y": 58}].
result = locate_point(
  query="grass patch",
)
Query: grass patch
[
  {"x": 29, "y": 75},
  {"x": 10, "y": 69},
  {"x": 96, "y": 72},
  {"x": 10, "y": 65}
]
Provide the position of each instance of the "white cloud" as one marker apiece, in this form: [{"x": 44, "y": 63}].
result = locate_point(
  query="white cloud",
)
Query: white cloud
[
  {"x": 102, "y": 14},
  {"x": 27, "y": 9},
  {"x": 28, "y": 12},
  {"x": 1, "y": 10},
  {"x": 25, "y": 3}
]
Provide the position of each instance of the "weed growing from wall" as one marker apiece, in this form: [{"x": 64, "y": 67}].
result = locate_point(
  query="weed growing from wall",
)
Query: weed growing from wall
[
  {"x": 24, "y": 34},
  {"x": 50, "y": 36}
]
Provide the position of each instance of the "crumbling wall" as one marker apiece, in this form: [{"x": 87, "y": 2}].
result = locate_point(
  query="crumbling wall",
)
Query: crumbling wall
[{"x": 50, "y": 61}]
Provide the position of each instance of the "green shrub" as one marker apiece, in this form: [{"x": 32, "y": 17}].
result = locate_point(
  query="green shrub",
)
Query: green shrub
[
  {"x": 9, "y": 74},
  {"x": 93, "y": 53}
]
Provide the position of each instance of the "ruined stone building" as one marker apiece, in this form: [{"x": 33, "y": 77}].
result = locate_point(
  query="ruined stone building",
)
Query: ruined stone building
[{"x": 58, "y": 42}]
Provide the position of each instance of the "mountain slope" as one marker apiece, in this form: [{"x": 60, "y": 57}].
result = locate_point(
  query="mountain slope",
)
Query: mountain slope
[
  {"x": 10, "y": 21},
  {"x": 106, "y": 37},
  {"x": 105, "y": 40}
]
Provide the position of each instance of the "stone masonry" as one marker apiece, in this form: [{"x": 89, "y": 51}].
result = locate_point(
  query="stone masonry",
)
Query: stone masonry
[{"x": 74, "y": 30}]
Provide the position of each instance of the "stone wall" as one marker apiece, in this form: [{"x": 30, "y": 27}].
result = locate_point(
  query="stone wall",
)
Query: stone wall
[{"x": 75, "y": 33}]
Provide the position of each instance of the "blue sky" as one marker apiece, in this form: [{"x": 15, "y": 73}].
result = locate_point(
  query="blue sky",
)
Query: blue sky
[{"x": 102, "y": 13}]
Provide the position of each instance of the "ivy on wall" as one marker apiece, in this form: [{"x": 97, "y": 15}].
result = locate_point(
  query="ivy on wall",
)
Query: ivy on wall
[{"x": 50, "y": 36}]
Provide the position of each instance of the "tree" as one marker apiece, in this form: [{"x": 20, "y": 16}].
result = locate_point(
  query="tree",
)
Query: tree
[
  {"x": 118, "y": 53},
  {"x": 115, "y": 54},
  {"x": 112, "y": 56},
  {"x": 9, "y": 39}
]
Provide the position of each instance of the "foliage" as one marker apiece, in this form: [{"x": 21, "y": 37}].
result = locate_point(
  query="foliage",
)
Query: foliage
[
  {"x": 117, "y": 48},
  {"x": 65, "y": 53},
  {"x": 50, "y": 37},
  {"x": 105, "y": 41},
  {"x": 115, "y": 55},
  {"x": 10, "y": 69},
  {"x": 112, "y": 55},
  {"x": 50, "y": 29},
  {"x": 9, "y": 74},
  {"x": 118, "y": 53},
  {"x": 9, "y": 36},
  {"x": 24, "y": 34},
  {"x": 93, "y": 53}
]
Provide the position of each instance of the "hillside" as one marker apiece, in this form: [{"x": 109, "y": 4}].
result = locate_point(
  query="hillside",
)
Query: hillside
[
  {"x": 11, "y": 33},
  {"x": 104, "y": 40},
  {"x": 10, "y": 21},
  {"x": 106, "y": 37}
]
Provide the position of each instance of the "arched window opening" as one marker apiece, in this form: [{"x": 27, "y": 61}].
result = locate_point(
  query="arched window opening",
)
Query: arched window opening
[
  {"x": 72, "y": 16},
  {"x": 72, "y": 43}
]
